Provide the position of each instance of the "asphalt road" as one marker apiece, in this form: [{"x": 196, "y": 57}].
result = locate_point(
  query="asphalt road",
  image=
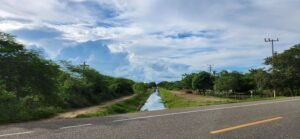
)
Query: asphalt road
[{"x": 264, "y": 119}]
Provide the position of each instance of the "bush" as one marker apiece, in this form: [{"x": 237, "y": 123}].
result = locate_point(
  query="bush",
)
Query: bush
[
  {"x": 45, "y": 112},
  {"x": 139, "y": 88}
]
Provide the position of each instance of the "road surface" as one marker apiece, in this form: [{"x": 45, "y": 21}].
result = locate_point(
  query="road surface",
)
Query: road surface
[{"x": 272, "y": 119}]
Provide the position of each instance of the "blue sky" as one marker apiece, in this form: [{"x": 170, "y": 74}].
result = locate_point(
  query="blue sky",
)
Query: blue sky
[{"x": 154, "y": 40}]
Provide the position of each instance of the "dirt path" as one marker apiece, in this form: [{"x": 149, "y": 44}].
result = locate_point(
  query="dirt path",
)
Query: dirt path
[{"x": 74, "y": 113}]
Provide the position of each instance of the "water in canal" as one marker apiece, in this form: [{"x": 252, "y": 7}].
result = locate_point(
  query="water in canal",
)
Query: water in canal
[{"x": 153, "y": 103}]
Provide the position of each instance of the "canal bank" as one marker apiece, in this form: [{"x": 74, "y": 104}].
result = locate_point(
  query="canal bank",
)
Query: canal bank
[
  {"x": 133, "y": 104},
  {"x": 140, "y": 102}
]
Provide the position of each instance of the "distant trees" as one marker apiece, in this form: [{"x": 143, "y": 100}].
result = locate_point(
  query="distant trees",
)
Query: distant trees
[
  {"x": 121, "y": 87},
  {"x": 151, "y": 84},
  {"x": 140, "y": 88},
  {"x": 170, "y": 85},
  {"x": 284, "y": 76},
  {"x": 262, "y": 79},
  {"x": 187, "y": 80},
  {"x": 227, "y": 81},
  {"x": 231, "y": 82}
]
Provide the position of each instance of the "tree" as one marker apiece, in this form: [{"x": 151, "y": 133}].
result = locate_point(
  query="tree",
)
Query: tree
[
  {"x": 121, "y": 87},
  {"x": 202, "y": 81},
  {"x": 261, "y": 79},
  {"x": 140, "y": 88},
  {"x": 286, "y": 67},
  {"x": 187, "y": 80},
  {"x": 25, "y": 72},
  {"x": 170, "y": 85},
  {"x": 32, "y": 87},
  {"x": 247, "y": 82},
  {"x": 151, "y": 84},
  {"x": 228, "y": 81}
]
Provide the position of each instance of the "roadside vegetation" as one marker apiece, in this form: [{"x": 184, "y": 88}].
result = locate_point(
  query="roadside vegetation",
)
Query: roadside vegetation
[
  {"x": 32, "y": 87},
  {"x": 180, "y": 99}
]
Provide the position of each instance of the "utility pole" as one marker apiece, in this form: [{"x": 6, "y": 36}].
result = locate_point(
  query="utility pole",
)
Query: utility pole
[
  {"x": 84, "y": 65},
  {"x": 272, "y": 41},
  {"x": 210, "y": 68},
  {"x": 273, "y": 53}
]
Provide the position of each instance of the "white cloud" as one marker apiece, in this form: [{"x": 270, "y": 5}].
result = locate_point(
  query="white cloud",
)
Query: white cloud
[
  {"x": 83, "y": 33},
  {"x": 7, "y": 26},
  {"x": 154, "y": 70},
  {"x": 53, "y": 11}
]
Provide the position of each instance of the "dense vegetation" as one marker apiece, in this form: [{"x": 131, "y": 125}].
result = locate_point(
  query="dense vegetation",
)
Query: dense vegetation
[
  {"x": 283, "y": 77},
  {"x": 32, "y": 87}
]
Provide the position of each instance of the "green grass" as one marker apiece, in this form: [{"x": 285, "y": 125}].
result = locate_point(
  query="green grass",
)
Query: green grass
[
  {"x": 127, "y": 106},
  {"x": 172, "y": 101}
]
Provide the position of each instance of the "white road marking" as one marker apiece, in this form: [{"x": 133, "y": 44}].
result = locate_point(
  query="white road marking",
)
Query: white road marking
[
  {"x": 13, "y": 134},
  {"x": 75, "y": 126},
  {"x": 203, "y": 110}
]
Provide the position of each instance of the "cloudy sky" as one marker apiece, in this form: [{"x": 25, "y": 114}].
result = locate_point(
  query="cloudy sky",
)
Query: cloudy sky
[{"x": 154, "y": 40}]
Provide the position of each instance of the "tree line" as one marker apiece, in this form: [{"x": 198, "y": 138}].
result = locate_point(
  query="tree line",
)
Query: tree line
[
  {"x": 32, "y": 87},
  {"x": 283, "y": 76}
]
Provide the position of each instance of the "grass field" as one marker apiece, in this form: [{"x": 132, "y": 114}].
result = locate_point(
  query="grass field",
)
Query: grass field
[{"x": 176, "y": 99}]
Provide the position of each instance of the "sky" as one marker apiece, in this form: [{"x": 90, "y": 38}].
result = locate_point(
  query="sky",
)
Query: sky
[{"x": 154, "y": 40}]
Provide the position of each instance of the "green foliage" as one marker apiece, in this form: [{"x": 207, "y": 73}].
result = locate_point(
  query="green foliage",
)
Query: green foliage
[
  {"x": 202, "y": 81},
  {"x": 261, "y": 79},
  {"x": 140, "y": 88},
  {"x": 121, "y": 87},
  {"x": 227, "y": 81},
  {"x": 24, "y": 72},
  {"x": 32, "y": 87},
  {"x": 171, "y": 85},
  {"x": 187, "y": 80},
  {"x": 285, "y": 75},
  {"x": 151, "y": 84},
  {"x": 28, "y": 82}
]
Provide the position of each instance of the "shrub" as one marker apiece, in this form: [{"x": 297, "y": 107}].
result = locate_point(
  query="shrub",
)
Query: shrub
[{"x": 139, "y": 88}]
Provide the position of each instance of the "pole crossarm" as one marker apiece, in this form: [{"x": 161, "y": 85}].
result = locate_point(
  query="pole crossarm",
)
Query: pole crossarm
[{"x": 272, "y": 41}]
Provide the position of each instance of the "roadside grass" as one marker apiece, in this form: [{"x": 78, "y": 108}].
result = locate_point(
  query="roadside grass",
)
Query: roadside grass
[
  {"x": 131, "y": 105},
  {"x": 171, "y": 100}
]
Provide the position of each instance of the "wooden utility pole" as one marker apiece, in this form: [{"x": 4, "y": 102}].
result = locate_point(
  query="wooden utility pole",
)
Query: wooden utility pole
[
  {"x": 210, "y": 68},
  {"x": 84, "y": 65},
  {"x": 273, "y": 54}
]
